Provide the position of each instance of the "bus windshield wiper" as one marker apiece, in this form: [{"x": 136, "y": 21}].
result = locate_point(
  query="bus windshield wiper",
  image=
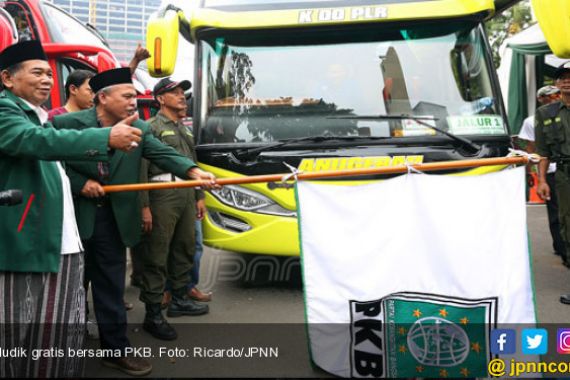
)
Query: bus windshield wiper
[
  {"x": 292, "y": 141},
  {"x": 419, "y": 120}
]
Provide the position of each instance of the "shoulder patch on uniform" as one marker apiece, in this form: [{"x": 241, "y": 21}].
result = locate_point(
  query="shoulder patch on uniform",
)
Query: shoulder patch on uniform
[
  {"x": 551, "y": 110},
  {"x": 167, "y": 133}
]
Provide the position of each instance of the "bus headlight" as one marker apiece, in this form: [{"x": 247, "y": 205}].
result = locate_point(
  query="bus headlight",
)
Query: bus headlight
[{"x": 248, "y": 200}]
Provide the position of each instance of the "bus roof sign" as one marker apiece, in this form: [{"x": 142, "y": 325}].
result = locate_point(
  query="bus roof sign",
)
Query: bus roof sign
[
  {"x": 340, "y": 14},
  {"x": 293, "y": 14}
]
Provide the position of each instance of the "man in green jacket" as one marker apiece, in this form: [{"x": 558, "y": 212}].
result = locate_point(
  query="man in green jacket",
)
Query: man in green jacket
[
  {"x": 109, "y": 223},
  {"x": 41, "y": 255}
]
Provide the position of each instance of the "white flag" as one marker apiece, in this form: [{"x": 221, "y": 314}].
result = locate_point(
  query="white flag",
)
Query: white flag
[{"x": 406, "y": 277}]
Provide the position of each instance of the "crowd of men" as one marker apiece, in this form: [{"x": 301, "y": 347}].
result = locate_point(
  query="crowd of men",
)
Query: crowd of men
[{"x": 69, "y": 233}]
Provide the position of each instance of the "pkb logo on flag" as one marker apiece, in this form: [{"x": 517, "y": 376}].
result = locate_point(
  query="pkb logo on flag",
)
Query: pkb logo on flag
[{"x": 413, "y": 334}]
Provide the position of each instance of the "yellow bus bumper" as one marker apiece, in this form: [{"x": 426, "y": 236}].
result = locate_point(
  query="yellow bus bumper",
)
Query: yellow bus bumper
[{"x": 266, "y": 234}]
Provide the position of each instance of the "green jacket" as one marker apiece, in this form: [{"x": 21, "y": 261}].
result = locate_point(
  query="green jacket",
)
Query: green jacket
[
  {"x": 30, "y": 233},
  {"x": 124, "y": 169}
]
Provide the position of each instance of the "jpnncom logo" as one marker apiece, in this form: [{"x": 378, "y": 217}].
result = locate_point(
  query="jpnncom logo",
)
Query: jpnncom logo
[{"x": 421, "y": 335}]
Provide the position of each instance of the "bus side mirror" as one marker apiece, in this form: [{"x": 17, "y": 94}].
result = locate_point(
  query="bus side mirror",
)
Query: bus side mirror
[
  {"x": 553, "y": 18},
  {"x": 162, "y": 43},
  {"x": 460, "y": 70}
]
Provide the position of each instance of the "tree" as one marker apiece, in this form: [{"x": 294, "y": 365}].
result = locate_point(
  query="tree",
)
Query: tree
[{"x": 509, "y": 22}]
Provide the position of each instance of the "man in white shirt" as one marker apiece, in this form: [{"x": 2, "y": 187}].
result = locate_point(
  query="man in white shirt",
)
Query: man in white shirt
[{"x": 547, "y": 95}]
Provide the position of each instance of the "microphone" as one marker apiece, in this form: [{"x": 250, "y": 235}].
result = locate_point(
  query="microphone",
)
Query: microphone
[{"x": 10, "y": 197}]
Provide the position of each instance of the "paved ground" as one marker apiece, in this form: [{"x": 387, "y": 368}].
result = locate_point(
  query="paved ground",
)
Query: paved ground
[
  {"x": 259, "y": 316},
  {"x": 551, "y": 278}
]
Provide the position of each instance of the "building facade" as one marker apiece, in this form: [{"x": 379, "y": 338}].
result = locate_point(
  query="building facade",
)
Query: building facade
[{"x": 121, "y": 22}]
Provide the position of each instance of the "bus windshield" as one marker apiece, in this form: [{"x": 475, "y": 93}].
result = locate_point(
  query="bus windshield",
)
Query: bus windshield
[{"x": 363, "y": 81}]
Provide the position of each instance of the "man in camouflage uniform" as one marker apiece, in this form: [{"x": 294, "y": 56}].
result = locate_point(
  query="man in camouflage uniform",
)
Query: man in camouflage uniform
[
  {"x": 169, "y": 219},
  {"x": 552, "y": 128},
  {"x": 546, "y": 95}
]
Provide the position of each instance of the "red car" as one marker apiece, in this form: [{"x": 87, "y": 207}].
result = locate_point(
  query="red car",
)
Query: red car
[{"x": 69, "y": 44}]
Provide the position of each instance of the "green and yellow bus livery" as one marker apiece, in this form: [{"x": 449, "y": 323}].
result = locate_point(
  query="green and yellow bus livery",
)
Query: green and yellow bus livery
[{"x": 328, "y": 85}]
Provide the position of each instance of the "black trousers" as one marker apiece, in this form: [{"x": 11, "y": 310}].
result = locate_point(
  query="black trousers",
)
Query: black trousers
[
  {"x": 105, "y": 268},
  {"x": 554, "y": 219}
]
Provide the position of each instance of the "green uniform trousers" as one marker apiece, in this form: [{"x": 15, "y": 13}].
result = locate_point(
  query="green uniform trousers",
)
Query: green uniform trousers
[
  {"x": 563, "y": 194},
  {"x": 171, "y": 244}
]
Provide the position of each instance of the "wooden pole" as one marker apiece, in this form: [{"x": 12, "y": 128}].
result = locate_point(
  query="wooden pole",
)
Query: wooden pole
[{"x": 445, "y": 165}]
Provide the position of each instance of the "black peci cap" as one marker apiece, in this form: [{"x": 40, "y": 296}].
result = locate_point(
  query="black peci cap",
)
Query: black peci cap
[
  {"x": 167, "y": 84},
  {"x": 20, "y": 52},
  {"x": 110, "y": 78}
]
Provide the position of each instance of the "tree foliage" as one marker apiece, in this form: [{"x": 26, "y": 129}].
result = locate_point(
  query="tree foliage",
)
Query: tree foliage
[{"x": 506, "y": 24}]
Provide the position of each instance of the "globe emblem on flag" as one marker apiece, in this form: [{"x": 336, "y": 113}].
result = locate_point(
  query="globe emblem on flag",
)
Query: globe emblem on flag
[{"x": 435, "y": 341}]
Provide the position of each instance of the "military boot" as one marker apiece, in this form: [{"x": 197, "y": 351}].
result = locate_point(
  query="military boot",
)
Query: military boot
[
  {"x": 182, "y": 305},
  {"x": 156, "y": 325}
]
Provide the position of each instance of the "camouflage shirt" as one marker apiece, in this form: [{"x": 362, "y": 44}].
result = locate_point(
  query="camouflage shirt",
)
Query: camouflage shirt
[
  {"x": 552, "y": 129},
  {"x": 172, "y": 133}
]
